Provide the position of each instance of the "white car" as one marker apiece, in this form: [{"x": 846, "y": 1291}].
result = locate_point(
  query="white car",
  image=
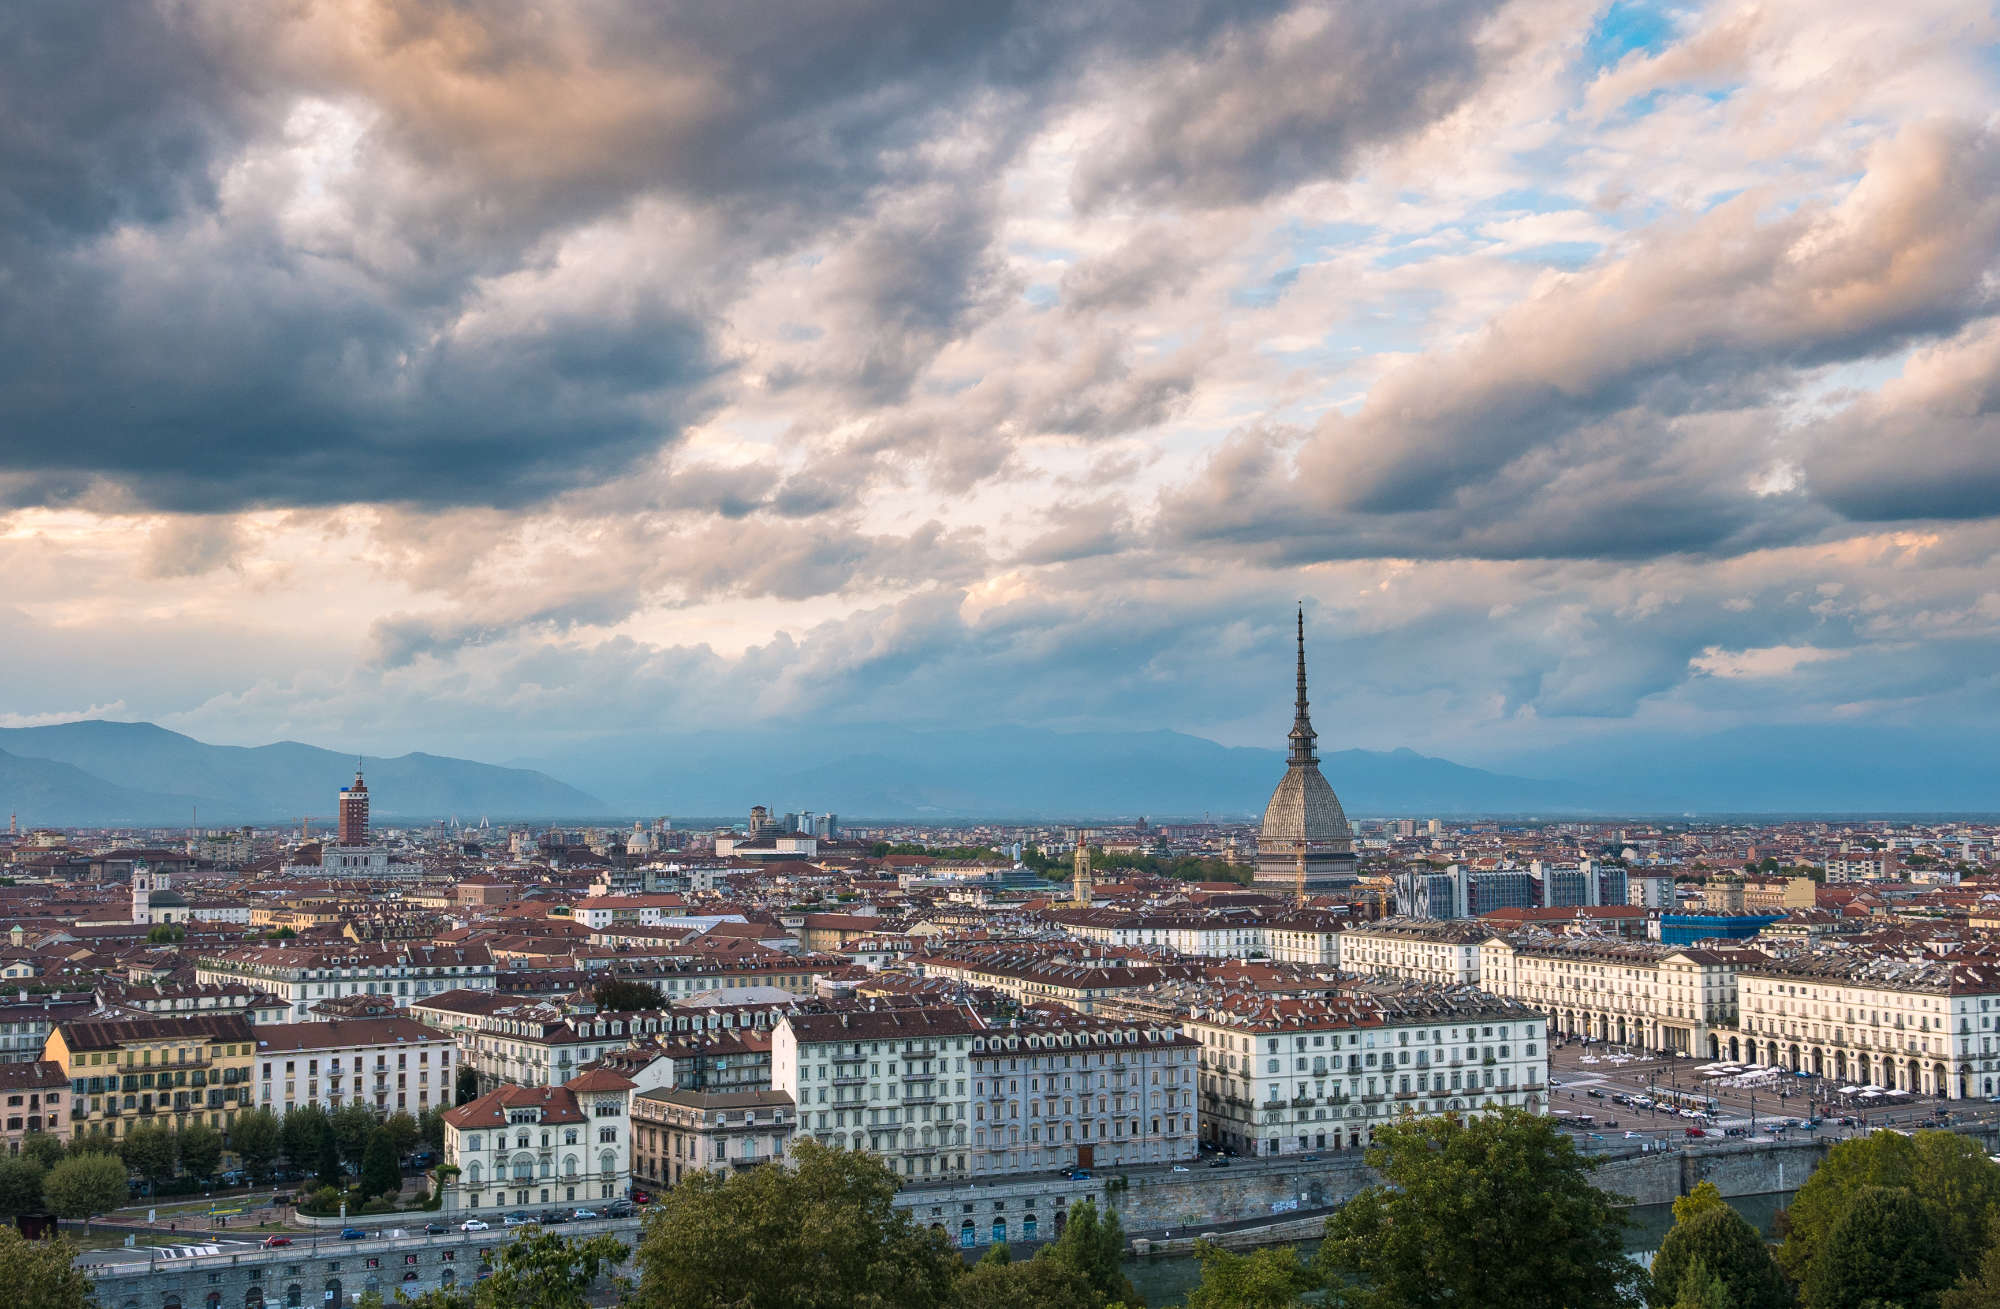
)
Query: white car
[
  {"x": 474, "y": 1225},
  {"x": 1180, "y": 1168}
]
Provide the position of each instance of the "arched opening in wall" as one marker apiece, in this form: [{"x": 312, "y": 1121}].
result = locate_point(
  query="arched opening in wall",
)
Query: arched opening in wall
[
  {"x": 254, "y": 1298},
  {"x": 333, "y": 1292},
  {"x": 1818, "y": 1062},
  {"x": 295, "y": 1296}
]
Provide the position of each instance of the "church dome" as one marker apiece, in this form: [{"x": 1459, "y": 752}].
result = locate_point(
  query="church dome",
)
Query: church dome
[
  {"x": 1305, "y": 843},
  {"x": 1305, "y": 810}
]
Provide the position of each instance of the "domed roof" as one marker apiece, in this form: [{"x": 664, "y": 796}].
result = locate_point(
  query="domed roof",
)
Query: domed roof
[
  {"x": 1304, "y": 817},
  {"x": 166, "y": 900},
  {"x": 1304, "y": 809}
]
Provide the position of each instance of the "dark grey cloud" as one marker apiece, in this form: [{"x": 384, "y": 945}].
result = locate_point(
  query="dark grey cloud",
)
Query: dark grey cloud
[
  {"x": 1262, "y": 110},
  {"x": 1927, "y": 445},
  {"x": 201, "y": 317}
]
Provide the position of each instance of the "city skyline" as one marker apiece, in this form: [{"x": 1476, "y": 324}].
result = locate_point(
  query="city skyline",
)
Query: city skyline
[{"x": 401, "y": 380}]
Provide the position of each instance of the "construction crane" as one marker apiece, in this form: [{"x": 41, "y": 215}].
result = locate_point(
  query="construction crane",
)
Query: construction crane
[{"x": 305, "y": 826}]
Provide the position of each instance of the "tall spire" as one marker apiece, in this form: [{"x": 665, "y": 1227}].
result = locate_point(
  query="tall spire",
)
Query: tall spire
[{"x": 1302, "y": 735}]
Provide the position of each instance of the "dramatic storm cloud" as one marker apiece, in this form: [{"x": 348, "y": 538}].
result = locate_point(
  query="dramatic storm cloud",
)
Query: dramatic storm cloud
[{"x": 406, "y": 373}]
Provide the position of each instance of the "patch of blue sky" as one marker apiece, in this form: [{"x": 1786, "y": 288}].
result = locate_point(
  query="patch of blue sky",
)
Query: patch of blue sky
[
  {"x": 1530, "y": 200},
  {"x": 1626, "y": 26},
  {"x": 1305, "y": 243},
  {"x": 1571, "y": 255},
  {"x": 1264, "y": 294},
  {"x": 1043, "y": 295}
]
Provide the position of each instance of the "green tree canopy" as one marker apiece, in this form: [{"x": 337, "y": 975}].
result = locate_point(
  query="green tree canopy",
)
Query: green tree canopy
[
  {"x": 85, "y": 1184},
  {"x": 255, "y": 1136},
  {"x": 20, "y": 1186},
  {"x": 541, "y": 1270},
  {"x": 430, "y": 1128},
  {"x": 467, "y": 1089},
  {"x": 43, "y": 1274},
  {"x": 1271, "y": 1278},
  {"x": 43, "y": 1148},
  {"x": 1980, "y": 1289},
  {"x": 1496, "y": 1211},
  {"x": 381, "y": 1174},
  {"x": 404, "y": 1132},
  {"x": 1728, "y": 1250},
  {"x": 622, "y": 995},
  {"x": 1094, "y": 1245},
  {"x": 303, "y": 1129},
  {"x": 1884, "y": 1248},
  {"x": 200, "y": 1149},
  {"x": 1040, "y": 1283},
  {"x": 822, "y": 1234},
  {"x": 1949, "y": 1175},
  {"x": 352, "y": 1124},
  {"x": 149, "y": 1152}
]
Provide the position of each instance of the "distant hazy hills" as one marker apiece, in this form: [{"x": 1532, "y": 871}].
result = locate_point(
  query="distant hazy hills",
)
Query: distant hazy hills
[
  {"x": 1013, "y": 772},
  {"x": 97, "y": 773}
]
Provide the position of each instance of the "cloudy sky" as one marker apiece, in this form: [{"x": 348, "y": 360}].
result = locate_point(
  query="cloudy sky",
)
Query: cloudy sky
[{"x": 396, "y": 374}]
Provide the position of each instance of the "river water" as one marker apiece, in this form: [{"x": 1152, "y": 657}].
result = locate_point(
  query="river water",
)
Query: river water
[{"x": 1165, "y": 1282}]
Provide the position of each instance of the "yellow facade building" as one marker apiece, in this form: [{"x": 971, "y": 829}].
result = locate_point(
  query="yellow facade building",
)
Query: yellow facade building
[{"x": 168, "y": 1072}]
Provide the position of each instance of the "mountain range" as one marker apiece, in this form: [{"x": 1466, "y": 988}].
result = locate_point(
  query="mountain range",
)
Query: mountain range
[{"x": 97, "y": 773}]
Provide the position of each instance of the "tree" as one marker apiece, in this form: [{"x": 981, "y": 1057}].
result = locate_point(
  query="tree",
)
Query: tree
[
  {"x": 1948, "y": 1174},
  {"x": 1886, "y": 1247},
  {"x": 43, "y": 1273},
  {"x": 85, "y": 1184},
  {"x": 1979, "y": 1290},
  {"x": 149, "y": 1152},
  {"x": 467, "y": 1089},
  {"x": 43, "y": 1148},
  {"x": 1039, "y": 1283},
  {"x": 541, "y": 1270},
  {"x": 1701, "y": 1291},
  {"x": 1496, "y": 1210},
  {"x": 380, "y": 1172},
  {"x": 1728, "y": 1250},
  {"x": 353, "y": 1123},
  {"x": 20, "y": 1186},
  {"x": 1094, "y": 1247},
  {"x": 255, "y": 1136},
  {"x": 1271, "y": 1278},
  {"x": 403, "y": 1132},
  {"x": 201, "y": 1149},
  {"x": 822, "y": 1234},
  {"x": 302, "y": 1131},
  {"x": 430, "y": 1128},
  {"x": 1704, "y": 1196},
  {"x": 622, "y": 995},
  {"x": 327, "y": 1168}
]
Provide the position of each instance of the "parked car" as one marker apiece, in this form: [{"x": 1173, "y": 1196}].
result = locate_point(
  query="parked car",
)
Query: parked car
[
  {"x": 515, "y": 1220},
  {"x": 474, "y": 1225},
  {"x": 1310, "y": 1159},
  {"x": 352, "y": 1234},
  {"x": 1180, "y": 1168},
  {"x": 1611, "y": 1122},
  {"x": 273, "y": 1242},
  {"x": 640, "y": 1197},
  {"x": 1594, "y": 1093},
  {"x": 434, "y": 1229},
  {"x": 1694, "y": 1132},
  {"x": 553, "y": 1216},
  {"x": 584, "y": 1215},
  {"x": 1219, "y": 1161},
  {"x": 620, "y": 1209}
]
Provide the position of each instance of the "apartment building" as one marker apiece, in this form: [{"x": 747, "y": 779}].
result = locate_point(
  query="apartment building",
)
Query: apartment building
[
  {"x": 1051, "y": 1091},
  {"x": 676, "y": 1132},
  {"x": 34, "y": 1094},
  {"x": 154, "y": 1071},
  {"x": 1285, "y": 1075},
  {"x": 1222, "y": 934},
  {"x": 302, "y": 976},
  {"x": 1681, "y": 999},
  {"x": 537, "y": 1145},
  {"x": 894, "y": 1082},
  {"x": 1921, "y": 1025},
  {"x": 1033, "y": 974},
  {"x": 1443, "y": 952},
  {"x": 390, "y": 1064}
]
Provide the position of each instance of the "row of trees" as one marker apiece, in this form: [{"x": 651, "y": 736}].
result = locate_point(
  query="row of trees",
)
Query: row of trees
[{"x": 91, "y": 1175}]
